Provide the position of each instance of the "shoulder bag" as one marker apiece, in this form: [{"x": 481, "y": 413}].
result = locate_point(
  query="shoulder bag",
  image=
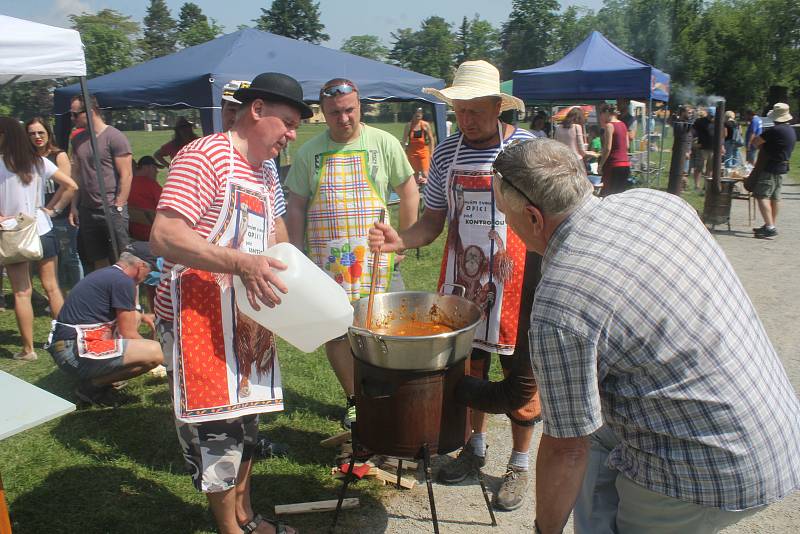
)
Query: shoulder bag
[{"x": 21, "y": 243}]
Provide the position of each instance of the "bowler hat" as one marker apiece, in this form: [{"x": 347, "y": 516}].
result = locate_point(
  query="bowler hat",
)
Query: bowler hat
[{"x": 274, "y": 86}]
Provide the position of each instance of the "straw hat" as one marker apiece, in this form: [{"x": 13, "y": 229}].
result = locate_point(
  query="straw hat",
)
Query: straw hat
[
  {"x": 780, "y": 113},
  {"x": 476, "y": 79}
]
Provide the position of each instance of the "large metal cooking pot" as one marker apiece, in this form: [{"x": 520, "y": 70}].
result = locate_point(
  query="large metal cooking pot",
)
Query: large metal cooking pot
[{"x": 415, "y": 353}]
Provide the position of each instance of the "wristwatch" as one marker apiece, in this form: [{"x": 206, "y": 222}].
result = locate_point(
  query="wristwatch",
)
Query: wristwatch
[
  {"x": 57, "y": 211},
  {"x": 119, "y": 208}
]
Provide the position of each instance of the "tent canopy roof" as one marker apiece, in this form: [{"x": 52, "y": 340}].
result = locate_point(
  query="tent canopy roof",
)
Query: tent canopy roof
[
  {"x": 193, "y": 77},
  {"x": 31, "y": 51},
  {"x": 595, "y": 69}
]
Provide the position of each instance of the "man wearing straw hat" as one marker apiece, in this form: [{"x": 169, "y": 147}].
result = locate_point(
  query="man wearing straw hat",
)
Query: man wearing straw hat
[
  {"x": 483, "y": 256},
  {"x": 775, "y": 149}
]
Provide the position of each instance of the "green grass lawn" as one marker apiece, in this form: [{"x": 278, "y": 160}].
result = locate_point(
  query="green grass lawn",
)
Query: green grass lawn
[{"x": 119, "y": 470}]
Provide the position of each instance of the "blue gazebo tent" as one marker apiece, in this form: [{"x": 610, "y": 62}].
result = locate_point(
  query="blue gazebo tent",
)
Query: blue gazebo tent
[
  {"x": 596, "y": 69},
  {"x": 194, "y": 77}
]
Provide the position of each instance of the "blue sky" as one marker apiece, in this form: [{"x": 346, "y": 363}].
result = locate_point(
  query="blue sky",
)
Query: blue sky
[{"x": 341, "y": 18}]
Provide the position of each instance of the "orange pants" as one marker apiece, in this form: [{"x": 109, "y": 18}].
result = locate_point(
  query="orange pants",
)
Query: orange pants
[{"x": 420, "y": 159}]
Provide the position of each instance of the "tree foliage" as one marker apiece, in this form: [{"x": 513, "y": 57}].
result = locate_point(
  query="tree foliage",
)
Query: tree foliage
[
  {"x": 108, "y": 40},
  {"x": 368, "y": 46},
  {"x": 477, "y": 39},
  {"x": 160, "y": 36},
  {"x": 194, "y": 27},
  {"x": 298, "y": 19},
  {"x": 528, "y": 36},
  {"x": 431, "y": 50}
]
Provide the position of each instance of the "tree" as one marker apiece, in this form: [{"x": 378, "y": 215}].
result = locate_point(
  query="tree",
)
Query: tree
[
  {"x": 368, "y": 46},
  {"x": 194, "y": 27},
  {"x": 298, "y": 19},
  {"x": 108, "y": 38},
  {"x": 159, "y": 31},
  {"x": 574, "y": 25},
  {"x": 477, "y": 39},
  {"x": 528, "y": 35},
  {"x": 431, "y": 50}
]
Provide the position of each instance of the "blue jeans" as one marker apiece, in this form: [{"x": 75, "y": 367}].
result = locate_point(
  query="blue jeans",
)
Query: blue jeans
[
  {"x": 731, "y": 158},
  {"x": 70, "y": 270}
]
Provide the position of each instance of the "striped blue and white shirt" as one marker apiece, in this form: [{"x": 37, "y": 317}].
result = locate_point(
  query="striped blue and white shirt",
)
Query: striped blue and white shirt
[
  {"x": 640, "y": 322},
  {"x": 442, "y": 161}
]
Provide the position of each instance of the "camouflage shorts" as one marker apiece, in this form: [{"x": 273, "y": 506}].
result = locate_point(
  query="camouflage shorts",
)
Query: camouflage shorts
[{"x": 213, "y": 450}]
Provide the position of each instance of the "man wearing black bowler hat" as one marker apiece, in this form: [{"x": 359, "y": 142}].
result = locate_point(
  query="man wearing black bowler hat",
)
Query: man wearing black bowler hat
[{"x": 219, "y": 211}]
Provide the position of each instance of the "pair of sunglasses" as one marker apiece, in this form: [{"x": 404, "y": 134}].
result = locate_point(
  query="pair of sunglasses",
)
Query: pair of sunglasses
[
  {"x": 502, "y": 178},
  {"x": 74, "y": 114},
  {"x": 338, "y": 89}
]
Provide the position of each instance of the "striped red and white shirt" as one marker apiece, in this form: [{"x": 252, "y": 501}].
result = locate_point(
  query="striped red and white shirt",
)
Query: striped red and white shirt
[{"x": 195, "y": 189}]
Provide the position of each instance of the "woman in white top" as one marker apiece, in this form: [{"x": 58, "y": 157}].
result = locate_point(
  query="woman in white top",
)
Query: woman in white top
[
  {"x": 22, "y": 176},
  {"x": 570, "y": 132}
]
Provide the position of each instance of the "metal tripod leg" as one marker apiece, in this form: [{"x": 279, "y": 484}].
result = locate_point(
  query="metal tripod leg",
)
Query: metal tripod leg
[
  {"x": 479, "y": 474},
  {"x": 349, "y": 477},
  {"x": 399, "y": 472},
  {"x": 426, "y": 458}
]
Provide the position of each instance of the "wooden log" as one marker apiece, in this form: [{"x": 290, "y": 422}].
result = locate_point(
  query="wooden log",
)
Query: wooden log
[
  {"x": 392, "y": 462},
  {"x": 333, "y": 441},
  {"x": 314, "y": 506},
  {"x": 391, "y": 478}
]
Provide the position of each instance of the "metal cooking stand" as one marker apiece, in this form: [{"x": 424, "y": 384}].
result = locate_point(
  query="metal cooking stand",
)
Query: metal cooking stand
[{"x": 425, "y": 456}]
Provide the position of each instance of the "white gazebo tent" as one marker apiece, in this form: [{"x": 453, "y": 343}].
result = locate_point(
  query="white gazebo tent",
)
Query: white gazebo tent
[{"x": 31, "y": 51}]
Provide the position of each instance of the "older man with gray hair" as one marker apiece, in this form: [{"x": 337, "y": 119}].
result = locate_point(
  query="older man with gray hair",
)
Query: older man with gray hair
[{"x": 665, "y": 407}]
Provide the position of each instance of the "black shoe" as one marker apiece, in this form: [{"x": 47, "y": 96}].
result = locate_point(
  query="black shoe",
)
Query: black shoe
[
  {"x": 92, "y": 395},
  {"x": 766, "y": 233},
  {"x": 349, "y": 416},
  {"x": 760, "y": 229}
]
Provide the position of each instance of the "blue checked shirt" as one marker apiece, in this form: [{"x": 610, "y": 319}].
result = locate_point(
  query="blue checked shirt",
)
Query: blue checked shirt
[{"x": 640, "y": 322}]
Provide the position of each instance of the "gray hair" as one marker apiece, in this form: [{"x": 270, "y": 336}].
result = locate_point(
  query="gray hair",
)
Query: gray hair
[
  {"x": 129, "y": 259},
  {"x": 547, "y": 171}
]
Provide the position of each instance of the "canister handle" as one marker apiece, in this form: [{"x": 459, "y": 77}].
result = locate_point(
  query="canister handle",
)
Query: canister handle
[{"x": 454, "y": 286}]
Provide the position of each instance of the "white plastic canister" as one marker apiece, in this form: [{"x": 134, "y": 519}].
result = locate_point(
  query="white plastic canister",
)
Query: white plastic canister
[{"x": 315, "y": 310}]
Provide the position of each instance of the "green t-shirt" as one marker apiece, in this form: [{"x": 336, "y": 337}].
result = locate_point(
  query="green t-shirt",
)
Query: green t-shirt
[
  {"x": 388, "y": 165},
  {"x": 595, "y": 145}
]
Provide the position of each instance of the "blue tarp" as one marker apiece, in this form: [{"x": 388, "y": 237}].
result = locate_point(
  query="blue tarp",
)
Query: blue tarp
[
  {"x": 194, "y": 77},
  {"x": 596, "y": 69}
]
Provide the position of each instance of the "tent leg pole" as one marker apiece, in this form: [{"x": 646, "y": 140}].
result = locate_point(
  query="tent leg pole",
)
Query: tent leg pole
[
  {"x": 99, "y": 170},
  {"x": 661, "y": 149}
]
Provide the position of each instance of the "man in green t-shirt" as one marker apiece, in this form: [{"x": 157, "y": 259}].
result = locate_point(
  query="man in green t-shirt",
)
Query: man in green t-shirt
[{"x": 338, "y": 184}]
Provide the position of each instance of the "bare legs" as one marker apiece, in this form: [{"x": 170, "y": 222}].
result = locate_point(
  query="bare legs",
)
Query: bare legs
[
  {"x": 48, "y": 273},
  {"x": 20, "y": 277},
  {"x": 341, "y": 360}
]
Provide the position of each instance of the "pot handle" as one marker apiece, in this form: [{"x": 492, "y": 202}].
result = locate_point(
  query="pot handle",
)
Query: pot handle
[
  {"x": 377, "y": 389},
  {"x": 454, "y": 286},
  {"x": 364, "y": 332}
]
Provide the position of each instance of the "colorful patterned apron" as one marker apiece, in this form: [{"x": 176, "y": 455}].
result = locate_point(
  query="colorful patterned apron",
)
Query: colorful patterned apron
[
  {"x": 483, "y": 254},
  {"x": 340, "y": 214},
  {"x": 225, "y": 364}
]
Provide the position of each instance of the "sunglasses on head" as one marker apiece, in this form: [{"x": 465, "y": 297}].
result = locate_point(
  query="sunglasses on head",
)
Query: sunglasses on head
[
  {"x": 502, "y": 178},
  {"x": 338, "y": 89}
]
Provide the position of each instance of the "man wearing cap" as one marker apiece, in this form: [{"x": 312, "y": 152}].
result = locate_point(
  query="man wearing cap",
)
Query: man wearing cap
[
  {"x": 230, "y": 105},
  {"x": 484, "y": 257},
  {"x": 142, "y": 202},
  {"x": 95, "y": 337},
  {"x": 219, "y": 211},
  {"x": 775, "y": 149},
  {"x": 665, "y": 407},
  {"x": 339, "y": 183}
]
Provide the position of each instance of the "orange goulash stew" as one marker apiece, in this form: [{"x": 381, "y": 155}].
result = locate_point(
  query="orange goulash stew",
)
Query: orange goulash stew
[{"x": 413, "y": 328}]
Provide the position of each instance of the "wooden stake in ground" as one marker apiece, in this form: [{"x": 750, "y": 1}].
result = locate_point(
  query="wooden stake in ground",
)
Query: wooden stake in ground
[{"x": 333, "y": 441}]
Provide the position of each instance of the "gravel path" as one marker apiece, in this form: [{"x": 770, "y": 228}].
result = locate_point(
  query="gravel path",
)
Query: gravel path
[{"x": 768, "y": 270}]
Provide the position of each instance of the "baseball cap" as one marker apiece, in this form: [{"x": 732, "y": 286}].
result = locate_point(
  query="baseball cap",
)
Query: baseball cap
[
  {"x": 141, "y": 249},
  {"x": 231, "y": 87}
]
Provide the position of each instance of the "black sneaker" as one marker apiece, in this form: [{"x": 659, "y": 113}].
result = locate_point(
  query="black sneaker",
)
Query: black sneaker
[
  {"x": 760, "y": 229},
  {"x": 349, "y": 416},
  {"x": 766, "y": 233}
]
